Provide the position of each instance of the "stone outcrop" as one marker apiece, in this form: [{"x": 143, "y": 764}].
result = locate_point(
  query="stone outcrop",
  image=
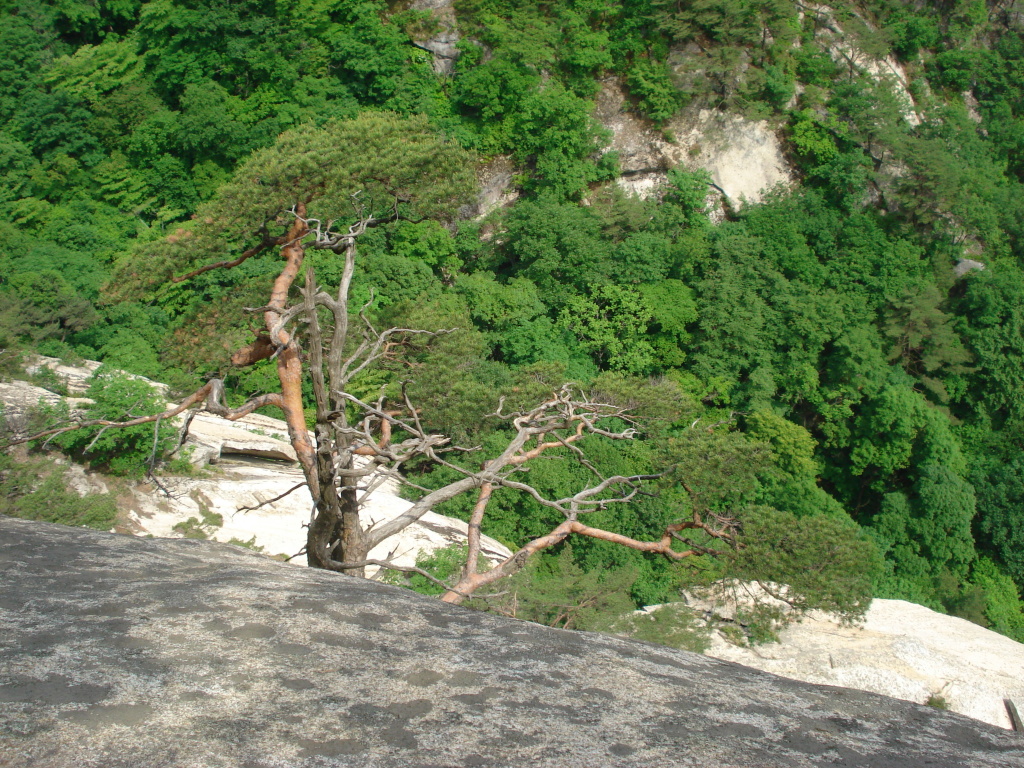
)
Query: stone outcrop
[
  {"x": 277, "y": 526},
  {"x": 843, "y": 50},
  {"x": 744, "y": 158},
  {"x": 443, "y": 41},
  {"x": 211, "y": 437},
  {"x": 118, "y": 652},
  {"x": 964, "y": 266},
  {"x": 76, "y": 377},
  {"x": 17, "y": 397},
  {"x": 496, "y": 189},
  {"x": 902, "y": 650}
]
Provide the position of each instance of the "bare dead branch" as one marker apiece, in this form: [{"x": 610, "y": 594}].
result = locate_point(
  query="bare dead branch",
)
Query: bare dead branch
[
  {"x": 581, "y": 502},
  {"x": 421, "y": 507},
  {"x": 183, "y": 432},
  {"x": 412, "y": 409},
  {"x": 473, "y": 581},
  {"x": 160, "y": 486},
  {"x": 211, "y": 392},
  {"x": 379, "y": 348},
  {"x": 271, "y": 501},
  {"x": 94, "y": 440},
  {"x": 473, "y": 531},
  {"x": 388, "y": 416},
  {"x": 156, "y": 445}
]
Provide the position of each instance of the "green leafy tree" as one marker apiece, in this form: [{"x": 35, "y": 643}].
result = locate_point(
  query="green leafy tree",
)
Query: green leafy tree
[
  {"x": 557, "y": 245},
  {"x": 515, "y": 323},
  {"x": 557, "y": 592},
  {"x": 127, "y": 451},
  {"x": 52, "y": 308},
  {"x": 491, "y": 95},
  {"x": 656, "y": 96},
  {"x": 129, "y": 351},
  {"x": 731, "y": 22},
  {"x": 993, "y": 317},
  {"x": 611, "y": 324},
  {"x": 1000, "y": 496},
  {"x": 673, "y": 309},
  {"x": 827, "y": 562},
  {"x": 1003, "y": 606},
  {"x": 887, "y": 429},
  {"x": 556, "y": 135}
]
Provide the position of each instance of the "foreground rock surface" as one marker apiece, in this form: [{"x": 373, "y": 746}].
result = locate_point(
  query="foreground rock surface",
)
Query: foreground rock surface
[{"x": 117, "y": 651}]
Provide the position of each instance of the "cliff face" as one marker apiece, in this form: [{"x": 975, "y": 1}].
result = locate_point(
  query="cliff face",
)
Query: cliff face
[
  {"x": 118, "y": 651},
  {"x": 744, "y": 158}
]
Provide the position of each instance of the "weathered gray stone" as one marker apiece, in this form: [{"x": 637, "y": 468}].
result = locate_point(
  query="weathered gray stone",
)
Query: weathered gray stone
[
  {"x": 744, "y": 158},
  {"x": 900, "y": 649},
  {"x": 18, "y": 397},
  {"x": 967, "y": 265},
  {"x": 266, "y": 438},
  {"x": 77, "y": 378},
  {"x": 496, "y": 189},
  {"x": 444, "y": 42},
  {"x": 116, "y": 651}
]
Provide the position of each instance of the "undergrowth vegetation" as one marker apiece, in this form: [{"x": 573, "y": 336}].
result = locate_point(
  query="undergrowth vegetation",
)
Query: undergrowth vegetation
[{"x": 37, "y": 490}]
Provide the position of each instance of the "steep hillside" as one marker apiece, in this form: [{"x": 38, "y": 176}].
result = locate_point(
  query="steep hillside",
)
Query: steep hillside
[{"x": 786, "y": 236}]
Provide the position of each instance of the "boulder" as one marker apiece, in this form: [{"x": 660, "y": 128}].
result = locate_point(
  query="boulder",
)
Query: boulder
[
  {"x": 261, "y": 436},
  {"x": 964, "y": 266},
  {"x": 496, "y": 190},
  {"x": 125, "y": 652},
  {"x": 80, "y": 480},
  {"x": 210, "y": 436},
  {"x": 76, "y": 377}
]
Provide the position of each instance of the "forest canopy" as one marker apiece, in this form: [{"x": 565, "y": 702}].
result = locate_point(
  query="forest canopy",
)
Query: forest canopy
[{"x": 836, "y": 350}]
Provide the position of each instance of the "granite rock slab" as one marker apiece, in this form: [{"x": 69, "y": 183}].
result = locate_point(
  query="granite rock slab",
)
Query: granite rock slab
[{"x": 117, "y": 652}]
